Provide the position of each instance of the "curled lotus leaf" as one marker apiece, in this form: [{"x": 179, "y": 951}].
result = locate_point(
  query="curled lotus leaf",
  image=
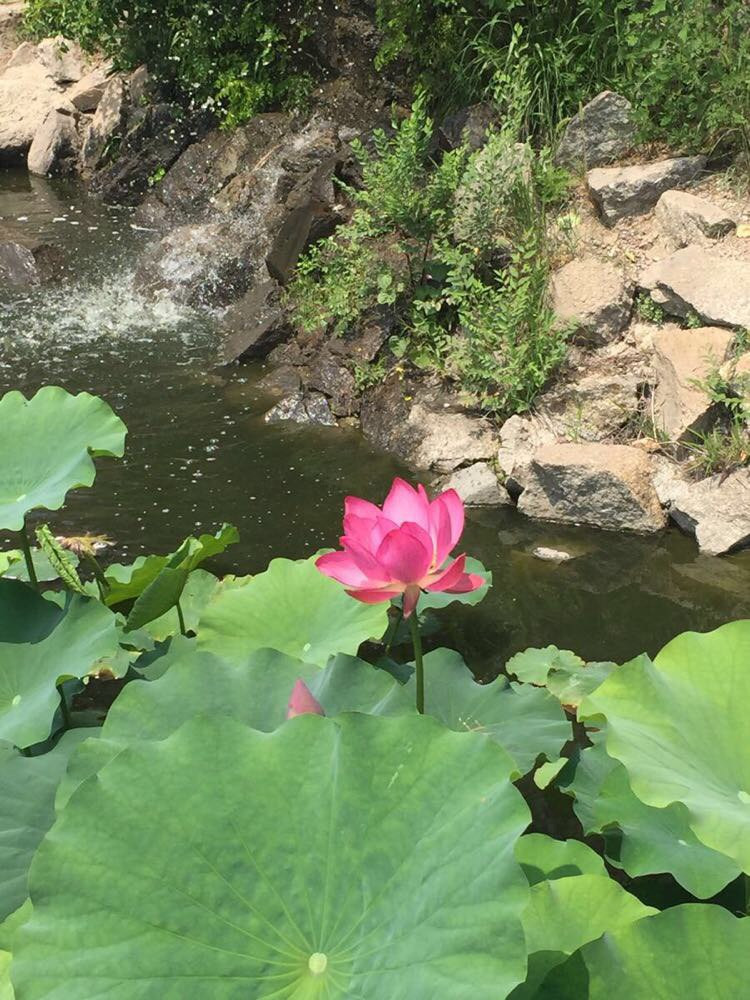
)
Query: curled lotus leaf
[{"x": 48, "y": 447}]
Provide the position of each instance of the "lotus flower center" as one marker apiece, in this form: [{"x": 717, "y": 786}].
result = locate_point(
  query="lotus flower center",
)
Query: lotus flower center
[{"x": 318, "y": 963}]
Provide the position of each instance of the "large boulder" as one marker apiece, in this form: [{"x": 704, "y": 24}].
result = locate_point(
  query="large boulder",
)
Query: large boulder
[
  {"x": 254, "y": 325},
  {"x": 27, "y": 95},
  {"x": 694, "y": 280},
  {"x": 107, "y": 126},
  {"x": 478, "y": 486},
  {"x": 62, "y": 59},
  {"x": 622, "y": 191},
  {"x": 602, "y": 131},
  {"x": 602, "y": 485},
  {"x": 520, "y": 438},
  {"x": 56, "y": 145},
  {"x": 86, "y": 94},
  {"x": 685, "y": 218},
  {"x": 715, "y": 510},
  {"x": 682, "y": 360},
  {"x": 594, "y": 297},
  {"x": 425, "y": 427}
]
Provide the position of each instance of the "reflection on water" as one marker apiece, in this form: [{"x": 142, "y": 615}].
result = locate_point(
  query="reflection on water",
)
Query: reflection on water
[{"x": 199, "y": 453}]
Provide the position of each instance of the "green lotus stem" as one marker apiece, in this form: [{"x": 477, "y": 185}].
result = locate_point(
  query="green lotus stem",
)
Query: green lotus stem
[
  {"x": 64, "y": 706},
  {"x": 27, "y": 556},
  {"x": 416, "y": 639},
  {"x": 101, "y": 580},
  {"x": 394, "y": 630},
  {"x": 181, "y": 619}
]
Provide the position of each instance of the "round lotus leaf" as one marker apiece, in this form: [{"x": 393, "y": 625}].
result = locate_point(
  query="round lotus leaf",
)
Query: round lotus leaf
[
  {"x": 691, "y": 952},
  {"x": 291, "y": 607},
  {"x": 641, "y": 839},
  {"x": 679, "y": 725},
  {"x": 526, "y": 721},
  {"x": 544, "y": 859},
  {"x": 25, "y": 616},
  {"x": 47, "y": 448},
  {"x": 6, "y": 987},
  {"x": 29, "y": 672},
  {"x": 27, "y": 809},
  {"x": 533, "y": 666},
  {"x": 355, "y": 857}
]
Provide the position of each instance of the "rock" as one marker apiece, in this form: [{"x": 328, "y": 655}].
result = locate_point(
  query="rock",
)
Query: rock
[
  {"x": 203, "y": 265},
  {"x": 685, "y": 218},
  {"x": 27, "y": 95},
  {"x": 363, "y": 342},
  {"x": 326, "y": 374},
  {"x": 55, "y": 146},
  {"x": 424, "y": 427},
  {"x": 141, "y": 87},
  {"x": 602, "y": 485},
  {"x": 693, "y": 280},
  {"x": 107, "y": 125},
  {"x": 253, "y": 325},
  {"x": 595, "y": 297},
  {"x": 621, "y": 191},
  {"x": 62, "y": 59},
  {"x": 716, "y": 510},
  {"x": 520, "y": 438},
  {"x": 87, "y": 93},
  {"x": 302, "y": 408},
  {"x": 478, "y": 486},
  {"x": 17, "y": 266},
  {"x": 469, "y": 125},
  {"x": 551, "y": 555},
  {"x": 681, "y": 358},
  {"x": 11, "y": 25},
  {"x": 283, "y": 381},
  {"x": 602, "y": 131}
]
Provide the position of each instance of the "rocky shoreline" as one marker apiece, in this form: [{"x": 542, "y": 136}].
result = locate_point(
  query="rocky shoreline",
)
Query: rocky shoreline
[{"x": 231, "y": 212}]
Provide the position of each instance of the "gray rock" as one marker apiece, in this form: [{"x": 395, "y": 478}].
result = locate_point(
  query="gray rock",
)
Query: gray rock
[
  {"x": 364, "y": 341},
  {"x": 326, "y": 374},
  {"x": 17, "y": 266},
  {"x": 302, "y": 408},
  {"x": 141, "y": 87},
  {"x": 254, "y": 325},
  {"x": 27, "y": 95},
  {"x": 62, "y": 59},
  {"x": 685, "y": 218},
  {"x": 107, "y": 125},
  {"x": 282, "y": 381},
  {"x": 551, "y": 555},
  {"x": 602, "y": 485},
  {"x": 55, "y": 146},
  {"x": 520, "y": 438},
  {"x": 683, "y": 358},
  {"x": 594, "y": 297},
  {"x": 621, "y": 191},
  {"x": 87, "y": 93},
  {"x": 468, "y": 126},
  {"x": 602, "y": 131},
  {"x": 478, "y": 486},
  {"x": 716, "y": 510},
  {"x": 694, "y": 280}
]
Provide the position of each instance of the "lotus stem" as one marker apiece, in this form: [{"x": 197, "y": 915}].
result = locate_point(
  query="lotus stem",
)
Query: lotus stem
[
  {"x": 416, "y": 639},
  {"x": 394, "y": 630},
  {"x": 101, "y": 580},
  {"x": 27, "y": 556},
  {"x": 181, "y": 619},
  {"x": 64, "y": 706}
]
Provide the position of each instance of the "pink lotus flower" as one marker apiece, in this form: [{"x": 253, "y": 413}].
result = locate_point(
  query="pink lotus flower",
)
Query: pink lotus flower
[
  {"x": 401, "y": 549},
  {"x": 303, "y": 702}
]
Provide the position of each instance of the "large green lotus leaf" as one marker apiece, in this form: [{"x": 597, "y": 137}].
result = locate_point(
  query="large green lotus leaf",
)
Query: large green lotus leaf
[
  {"x": 25, "y": 616},
  {"x": 201, "y": 587},
  {"x": 544, "y": 859},
  {"x": 27, "y": 809},
  {"x": 126, "y": 582},
  {"x": 348, "y": 684},
  {"x": 440, "y": 599},
  {"x": 47, "y": 448},
  {"x": 691, "y": 952},
  {"x": 6, "y": 987},
  {"x": 641, "y": 839},
  {"x": 565, "y": 914},
  {"x": 356, "y": 857},
  {"x": 291, "y": 607},
  {"x": 679, "y": 725},
  {"x": 526, "y": 721},
  {"x": 29, "y": 672}
]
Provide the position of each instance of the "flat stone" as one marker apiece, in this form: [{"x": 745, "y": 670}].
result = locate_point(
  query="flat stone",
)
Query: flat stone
[
  {"x": 602, "y": 131},
  {"x": 621, "y": 191},
  {"x": 681, "y": 359},
  {"x": 55, "y": 146},
  {"x": 551, "y": 555},
  {"x": 87, "y": 93},
  {"x": 602, "y": 485},
  {"x": 685, "y": 218},
  {"x": 62, "y": 59},
  {"x": 694, "y": 280},
  {"x": 594, "y": 297},
  {"x": 478, "y": 486},
  {"x": 254, "y": 325},
  {"x": 715, "y": 510}
]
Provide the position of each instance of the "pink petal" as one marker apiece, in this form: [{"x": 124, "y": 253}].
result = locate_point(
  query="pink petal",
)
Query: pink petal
[
  {"x": 406, "y": 553},
  {"x": 373, "y": 596},
  {"x": 361, "y": 508},
  {"x": 359, "y": 528},
  {"x": 302, "y": 702},
  {"x": 447, "y": 576},
  {"x": 341, "y": 566},
  {"x": 362, "y": 557},
  {"x": 411, "y": 597},
  {"x": 451, "y": 503},
  {"x": 468, "y": 583},
  {"x": 404, "y": 503},
  {"x": 441, "y": 531}
]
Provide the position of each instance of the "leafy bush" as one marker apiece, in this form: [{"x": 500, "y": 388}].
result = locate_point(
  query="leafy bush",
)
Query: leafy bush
[{"x": 240, "y": 57}]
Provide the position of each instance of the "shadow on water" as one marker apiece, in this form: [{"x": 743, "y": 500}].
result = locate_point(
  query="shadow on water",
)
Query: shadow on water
[{"x": 199, "y": 453}]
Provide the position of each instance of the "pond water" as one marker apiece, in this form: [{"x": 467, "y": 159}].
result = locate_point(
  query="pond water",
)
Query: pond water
[{"x": 199, "y": 453}]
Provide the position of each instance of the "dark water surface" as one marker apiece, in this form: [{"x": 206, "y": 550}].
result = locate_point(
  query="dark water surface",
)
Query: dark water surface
[{"x": 199, "y": 453}]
